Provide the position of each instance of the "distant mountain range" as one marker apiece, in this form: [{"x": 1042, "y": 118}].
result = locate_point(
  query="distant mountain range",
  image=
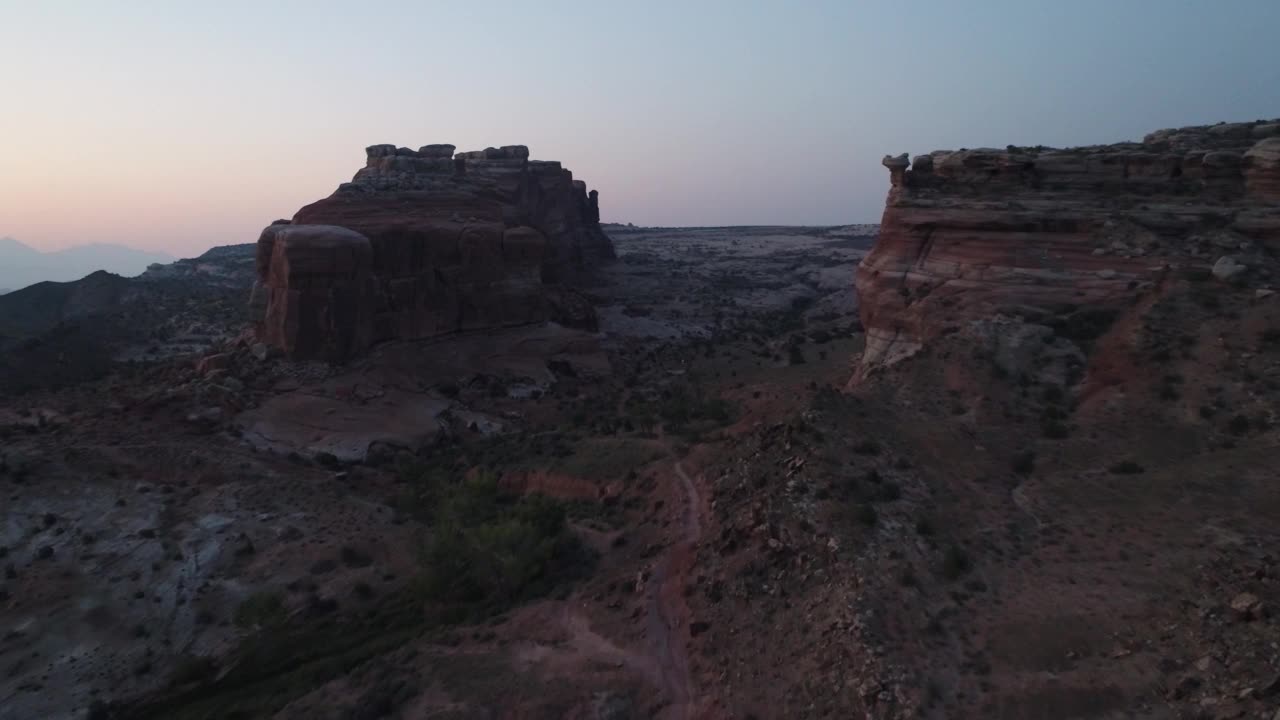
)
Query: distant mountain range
[{"x": 22, "y": 265}]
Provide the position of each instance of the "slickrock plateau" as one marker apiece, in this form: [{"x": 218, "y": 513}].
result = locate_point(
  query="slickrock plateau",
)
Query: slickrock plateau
[
  {"x": 1037, "y": 231},
  {"x": 425, "y": 242}
]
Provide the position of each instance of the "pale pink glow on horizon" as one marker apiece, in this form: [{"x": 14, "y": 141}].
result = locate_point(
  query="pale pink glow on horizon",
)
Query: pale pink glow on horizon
[{"x": 182, "y": 125}]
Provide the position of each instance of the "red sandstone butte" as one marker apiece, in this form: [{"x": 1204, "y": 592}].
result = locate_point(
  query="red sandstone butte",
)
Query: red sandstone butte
[
  {"x": 432, "y": 243},
  {"x": 973, "y": 234}
]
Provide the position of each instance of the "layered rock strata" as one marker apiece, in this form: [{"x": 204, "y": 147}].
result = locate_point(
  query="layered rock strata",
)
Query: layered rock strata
[
  {"x": 431, "y": 243},
  {"x": 976, "y": 234}
]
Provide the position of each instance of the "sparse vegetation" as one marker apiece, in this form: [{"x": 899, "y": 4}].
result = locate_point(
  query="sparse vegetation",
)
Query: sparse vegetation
[
  {"x": 260, "y": 610},
  {"x": 1239, "y": 425},
  {"x": 489, "y": 549},
  {"x": 955, "y": 562},
  {"x": 924, "y": 526},
  {"x": 867, "y": 447},
  {"x": 192, "y": 669},
  {"x": 687, "y": 410},
  {"x": 1126, "y": 467},
  {"x": 1055, "y": 429},
  {"x": 1023, "y": 463},
  {"x": 866, "y": 514}
]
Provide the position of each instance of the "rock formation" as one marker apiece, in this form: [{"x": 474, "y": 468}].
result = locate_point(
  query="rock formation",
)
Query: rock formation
[
  {"x": 425, "y": 242},
  {"x": 977, "y": 234}
]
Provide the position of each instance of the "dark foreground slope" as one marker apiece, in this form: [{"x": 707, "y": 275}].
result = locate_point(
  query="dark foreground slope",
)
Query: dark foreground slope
[{"x": 257, "y": 537}]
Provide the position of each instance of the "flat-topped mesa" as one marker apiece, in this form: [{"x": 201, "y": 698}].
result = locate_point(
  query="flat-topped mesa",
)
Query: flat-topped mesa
[
  {"x": 973, "y": 233},
  {"x": 456, "y": 241}
]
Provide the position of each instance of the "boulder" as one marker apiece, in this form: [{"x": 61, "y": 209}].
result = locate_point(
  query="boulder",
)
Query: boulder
[
  {"x": 1262, "y": 169},
  {"x": 1247, "y": 606},
  {"x": 1227, "y": 268},
  {"x": 437, "y": 151}
]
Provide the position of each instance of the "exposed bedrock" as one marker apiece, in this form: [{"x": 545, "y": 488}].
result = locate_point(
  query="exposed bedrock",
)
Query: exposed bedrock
[
  {"x": 976, "y": 234},
  {"x": 453, "y": 242}
]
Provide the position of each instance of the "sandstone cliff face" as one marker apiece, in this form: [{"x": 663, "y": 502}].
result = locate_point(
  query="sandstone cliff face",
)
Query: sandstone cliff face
[
  {"x": 979, "y": 234},
  {"x": 477, "y": 240}
]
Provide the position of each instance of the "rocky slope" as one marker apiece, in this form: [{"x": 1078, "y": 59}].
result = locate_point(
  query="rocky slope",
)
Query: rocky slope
[
  {"x": 422, "y": 243},
  {"x": 55, "y": 333},
  {"x": 1076, "y": 354},
  {"x": 974, "y": 532},
  {"x": 1034, "y": 231},
  {"x": 242, "y": 536}
]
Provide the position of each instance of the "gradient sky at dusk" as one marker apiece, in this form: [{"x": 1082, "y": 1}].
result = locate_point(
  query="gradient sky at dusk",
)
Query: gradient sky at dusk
[{"x": 180, "y": 125}]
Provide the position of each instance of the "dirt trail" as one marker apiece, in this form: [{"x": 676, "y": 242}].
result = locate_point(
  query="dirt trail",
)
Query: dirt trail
[
  {"x": 664, "y": 657},
  {"x": 667, "y": 615}
]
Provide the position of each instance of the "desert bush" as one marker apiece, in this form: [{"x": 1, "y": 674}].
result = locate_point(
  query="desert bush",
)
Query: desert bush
[
  {"x": 1239, "y": 425},
  {"x": 955, "y": 562},
  {"x": 260, "y": 610},
  {"x": 1055, "y": 429},
  {"x": 1084, "y": 326},
  {"x": 867, "y": 447},
  {"x": 683, "y": 406},
  {"x": 1126, "y": 467},
  {"x": 924, "y": 526},
  {"x": 907, "y": 577},
  {"x": 1196, "y": 274},
  {"x": 1023, "y": 463},
  {"x": 192, "y": 669},
  {"x": 866, "y": 514},
  {"x": 328, "y": 460},
  {"x": 489, "y": 549},
  {"x": 889, "y": 492}
]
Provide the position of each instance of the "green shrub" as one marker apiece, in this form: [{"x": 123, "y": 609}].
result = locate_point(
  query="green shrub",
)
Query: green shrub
[
  {"x": 1196, "y": 274},
  {"x": 1055, "y": 429},
  {"x": 192, "y": 669},
  {"x": 1239, "y": 425},
  {"x": 682, "y": 406},
  {"x": 867, "y": 447},
  {"x": 890, "y": 491},
  {"x": 1023, "y": 463},
  {"x": 260, "y": 610},
  {"x": 955, "y": 562},
  {"x": 1126, "y": 467},
  {"x": 1084, "y": 326},
  {"x": 328, "y": 460},
  {"x": 866, "y": 514},
  {"x": 489, "y": 549}
]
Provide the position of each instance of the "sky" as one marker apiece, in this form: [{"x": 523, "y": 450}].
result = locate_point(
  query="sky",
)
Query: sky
[{"x": 177, "y": 126}]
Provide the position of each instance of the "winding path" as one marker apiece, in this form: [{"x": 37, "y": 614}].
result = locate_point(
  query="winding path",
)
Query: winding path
[
  {"x": 665, "y": 624},
  {"x": 664, "y": 658}
]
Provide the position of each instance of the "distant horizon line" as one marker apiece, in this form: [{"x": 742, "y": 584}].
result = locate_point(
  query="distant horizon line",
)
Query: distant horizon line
[{"x": 171, "y": 254}]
